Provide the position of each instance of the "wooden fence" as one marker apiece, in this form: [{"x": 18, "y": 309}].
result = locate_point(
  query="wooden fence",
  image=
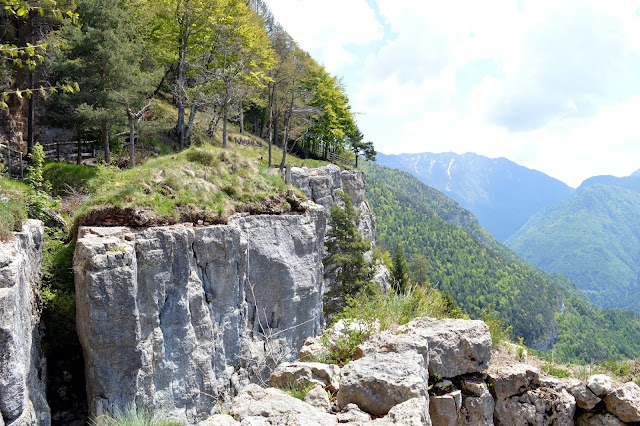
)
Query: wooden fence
[
  {"x": 12, "y": 160},
  {"x": 69, "y": 150}
]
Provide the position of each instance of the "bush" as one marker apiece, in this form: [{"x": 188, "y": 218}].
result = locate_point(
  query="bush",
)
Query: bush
[
  {"x": 133, "y": 416},
  {"x": 499, "y": 333}
]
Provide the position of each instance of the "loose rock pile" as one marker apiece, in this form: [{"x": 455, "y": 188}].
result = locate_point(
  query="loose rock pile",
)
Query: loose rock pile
[{"x": 429, "y": 372}]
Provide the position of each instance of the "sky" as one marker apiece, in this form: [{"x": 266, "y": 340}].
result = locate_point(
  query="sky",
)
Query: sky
[{"x": 551, "y": 85}]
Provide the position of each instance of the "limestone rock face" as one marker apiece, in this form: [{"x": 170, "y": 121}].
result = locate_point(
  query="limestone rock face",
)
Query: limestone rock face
[
  {"x": 414, "y": 412},
  {"x": 320, "y": 186},
  {"x": 220, "y": 420},
  {"x": 624, "y": 402},
  {"x": 378, "y": 382},
  {"x": 600, "y": 384},
  {"x": 456, "y": 347},
  {"x": 165, "y": 313},
  {"x": 22, "y": 364},
  {"x": 277, "y": 408},
  {"x": 318, "y": 397}
]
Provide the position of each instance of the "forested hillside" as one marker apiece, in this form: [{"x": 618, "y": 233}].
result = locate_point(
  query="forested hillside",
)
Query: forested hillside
[
  {"x": 593, "y": 238},
  {"x": 481, "y": 274},
  {"x": 501, "y": 193}
]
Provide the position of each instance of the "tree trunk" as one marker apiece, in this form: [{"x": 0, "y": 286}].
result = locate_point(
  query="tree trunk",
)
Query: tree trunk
[
  {"x": 132, "y": 138},
  {"x": 105, "y": 141},
  {"x": 270, "y": 126},
  {"x": 192, "y": 117},
  {"x": 30, "y": 119},
  {"x": 181, "y": 79},
  {"x": 79, "y": 155},
  {"x": 285, "y": 140},
  {"x": 242, "y": 117},
  {"x": 224, "y": 125},
  {"x": 275, "y": 130}
]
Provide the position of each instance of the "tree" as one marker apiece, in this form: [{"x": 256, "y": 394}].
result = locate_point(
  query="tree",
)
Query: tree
[
  {"x": 399, "y": 273},
  {"x": 345, "y": 256},
  {"x": 419, "y": 269},
  {"x": 359, "y": 147},
  {"x": 106, "y": 55}
]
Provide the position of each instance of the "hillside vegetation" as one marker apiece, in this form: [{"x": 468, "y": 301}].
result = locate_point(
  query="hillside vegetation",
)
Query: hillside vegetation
[
  {"x": 482, "y": 275},
  {"x": 594, "y": 239},
  {"x": 501, "y": 193}
]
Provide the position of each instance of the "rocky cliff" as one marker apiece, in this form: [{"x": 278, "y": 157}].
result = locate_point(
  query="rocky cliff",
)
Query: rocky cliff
[
  {"x": 174, "y": 317},
  {"x": 22, "y": 365},
  {"x": 321, "y": 185}
]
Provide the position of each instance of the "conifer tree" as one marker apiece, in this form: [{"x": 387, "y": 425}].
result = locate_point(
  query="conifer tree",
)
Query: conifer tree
[
  {"x": 399, "y": 272},
  {"x": 345, "y": 256}
]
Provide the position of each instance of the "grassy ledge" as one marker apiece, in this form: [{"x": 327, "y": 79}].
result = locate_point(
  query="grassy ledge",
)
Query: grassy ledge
[{"x": 203, "y": 185}]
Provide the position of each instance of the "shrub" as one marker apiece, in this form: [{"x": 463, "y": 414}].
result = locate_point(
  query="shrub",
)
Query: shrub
[
  {"x": 297, "y": 390},
  {"x": 133, "y": 416},
  {"x": 12, "y": 215},
  {"x": 499, "y": 333}
]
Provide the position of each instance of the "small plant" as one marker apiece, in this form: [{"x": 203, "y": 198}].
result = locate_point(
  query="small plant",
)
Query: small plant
[
  {"x": 118, "y": 247},
  {"x": 133, "y": 416},
  {"x": 297, "y": 390},
  {"x": 499, "y": 333}
]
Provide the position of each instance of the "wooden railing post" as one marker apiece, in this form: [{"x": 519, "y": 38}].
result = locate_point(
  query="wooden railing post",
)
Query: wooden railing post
[
  {"x": 9, "y": 161},
  {"x": 21, "y": 166}
]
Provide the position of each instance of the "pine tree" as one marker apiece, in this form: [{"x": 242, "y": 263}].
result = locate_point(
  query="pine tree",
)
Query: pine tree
[
  {"x": 399, "y": 272},
  {"x": 345, "y": 256}
]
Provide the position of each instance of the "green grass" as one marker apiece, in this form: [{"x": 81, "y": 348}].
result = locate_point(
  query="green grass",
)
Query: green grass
[
  {"x": 13, "y": 211},
  {"x": 65, "y": 177},
  {"x": 133, "y": 417},
  {"x": 201, "y": 183}
]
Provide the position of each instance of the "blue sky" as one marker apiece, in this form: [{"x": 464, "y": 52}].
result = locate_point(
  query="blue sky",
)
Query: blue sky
[{"x": 551, "y": 85}]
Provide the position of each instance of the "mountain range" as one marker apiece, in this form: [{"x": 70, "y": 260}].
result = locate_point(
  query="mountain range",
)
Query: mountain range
[{"x": 501, "y": 193}]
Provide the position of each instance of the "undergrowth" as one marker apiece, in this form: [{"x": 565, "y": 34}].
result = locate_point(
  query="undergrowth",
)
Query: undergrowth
[{"x": 133, "y": 416}]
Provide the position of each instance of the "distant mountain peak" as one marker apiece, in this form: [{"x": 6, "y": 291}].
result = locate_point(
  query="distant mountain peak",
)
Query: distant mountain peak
[{"x": 501, "y": 193}]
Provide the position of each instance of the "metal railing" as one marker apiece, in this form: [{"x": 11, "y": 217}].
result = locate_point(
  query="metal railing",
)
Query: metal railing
[{"x": 12, "y": 160}]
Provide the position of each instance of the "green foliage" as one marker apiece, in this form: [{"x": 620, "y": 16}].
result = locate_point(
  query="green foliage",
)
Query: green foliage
[
  {"x": 298, "y": 390},
  {"x": 345, "y": 256},
  {"x": 399, "y": 272},
  {"x": 133, "y": 416},
  {"x": 458, "y": 256},
  {"x": 39, "y": 199},
  {"x": 592, "y": 238},
  {"x": 12, "y": 215},
  {"x": 342, "y": 348},
  {"x": 499, "y": 331}
]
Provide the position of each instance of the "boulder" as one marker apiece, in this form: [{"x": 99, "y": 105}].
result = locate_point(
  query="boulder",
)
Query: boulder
[
  {"x": 378, "y": 382},
  {"x": 600, "y": 384},
  {"x": 585, "y": 399},
  {"x": 445, "y": 410},
  {"x": 22, "y": 364},
  {"x": 389, "y": 342},
  {"x": 219, "y": 420},
  {"x": 414, "y": 412},
  {"x": 456, "y": 346},
  {"x": 312, "y": 349},
  {"x": 277, "y": 408},
  {"x": 352, "y": 414},
  {"x": 318, "y": 397},
  {"x": 519, "y": 400},
  {"x": 303, "y": 373},
  {"x": 598, "y": 419},
  {"x": 477, "y": 402},
  {"x": 624, "y": 402}
]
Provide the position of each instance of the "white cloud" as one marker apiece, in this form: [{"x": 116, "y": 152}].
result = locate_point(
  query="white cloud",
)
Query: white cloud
[{"x": 551, "y": 85}]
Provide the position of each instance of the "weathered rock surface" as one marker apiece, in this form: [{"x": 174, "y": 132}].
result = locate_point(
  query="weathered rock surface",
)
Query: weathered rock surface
[
  {"x": 303, "y": 373},
  {"x": 598, "y": 419},
  {"x": 321, "y": 184},
  {"x": 414, "y": 412},
  {"x": 220, "y": 420},
  {"x": 378, "y": 382},
  {"x": 624, "y": 402},
  {"x": 445, "y": 410},
  {"x": 600, "y": 384},
  {"x": 456, "y": 347},
  {"x": 318, "y": 397},
  {"x": 164, "y": 314},
  {"x": 585, "y": 399},
  {"x": 352, "y": 414},
  {"x": 22, "y": 364},
  {"x": 277, "y": 408},
  {"x": 519, "y": 400},
  {"x": 477, "y": 403}
]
